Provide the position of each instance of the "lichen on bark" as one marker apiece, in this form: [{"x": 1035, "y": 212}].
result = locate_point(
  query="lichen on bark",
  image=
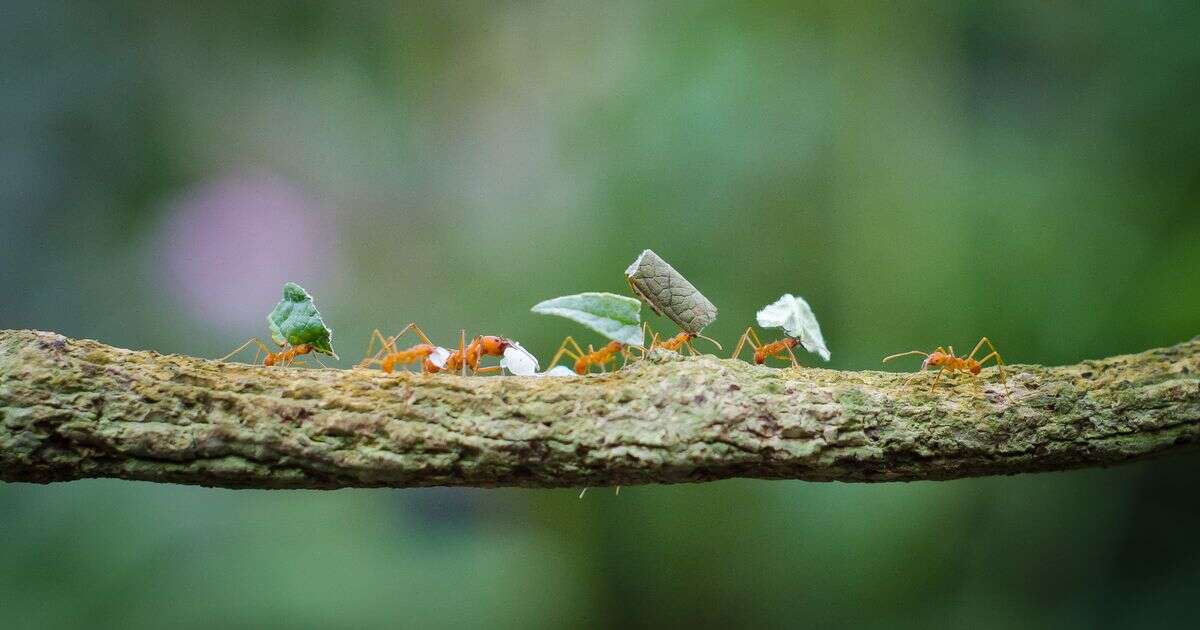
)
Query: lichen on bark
[{"x": 72, "y": 409}]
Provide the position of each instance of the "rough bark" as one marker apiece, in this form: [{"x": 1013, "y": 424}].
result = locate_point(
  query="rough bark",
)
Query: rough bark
[{"x": 72, "y": 409}]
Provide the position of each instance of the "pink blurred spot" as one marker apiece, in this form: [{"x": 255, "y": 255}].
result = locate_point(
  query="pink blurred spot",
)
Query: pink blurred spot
[{"x": 228, "y": 246}]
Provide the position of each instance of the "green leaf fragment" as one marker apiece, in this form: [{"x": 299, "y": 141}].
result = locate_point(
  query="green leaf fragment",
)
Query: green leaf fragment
[
  {"x": 296, "y": 321},
  {"x": 617, "y": 317}
]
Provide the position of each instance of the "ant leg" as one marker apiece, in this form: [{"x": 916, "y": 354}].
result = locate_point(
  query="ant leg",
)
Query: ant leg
[
  {"x": 384, "y": 344},
  {"x": 999, "y": 359},
  {"x": 936, "y": 379},
  {"x": 990, "y": 346},
  {"x": 396, "y": 337},
  {"x": 999, "y": 367},
  {"x": 262, "y": 347},
  {"x": 416, "y": 331},
  {"x": 904, "y": 354},
  {"x": 994, "y": 355},
  {"x": 653, "y": 340},
  {"x": 642, "y": 348},
  {"x": 462, "y": 348},
  {"x": 742, "y": 343},
  {"x": 757, "y": 342},
  {"x": 563, "y": 350},
  {"x": 240, "y": 348},
  {"x": 795, "y": 363}
]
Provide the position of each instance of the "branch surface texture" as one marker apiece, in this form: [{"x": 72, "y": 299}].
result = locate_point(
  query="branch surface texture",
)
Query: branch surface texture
[{"x": 73, "y": 409}]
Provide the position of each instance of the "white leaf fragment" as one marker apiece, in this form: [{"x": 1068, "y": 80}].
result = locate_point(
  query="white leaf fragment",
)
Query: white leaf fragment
[
  {"x": 439, "y": 356},
  {"x": 559, "y": 370},
  {"x": 518, "y": 360},
  {"x": 796, "y": 318}
]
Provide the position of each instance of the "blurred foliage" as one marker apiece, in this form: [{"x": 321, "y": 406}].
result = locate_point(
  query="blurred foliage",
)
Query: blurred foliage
[{"x": 923, "y": 174}]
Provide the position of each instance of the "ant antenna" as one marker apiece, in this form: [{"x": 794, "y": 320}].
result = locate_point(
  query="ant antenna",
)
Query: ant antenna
[
  {"x": 714, "y": 341},
  {"x": 904, "y": 354}
]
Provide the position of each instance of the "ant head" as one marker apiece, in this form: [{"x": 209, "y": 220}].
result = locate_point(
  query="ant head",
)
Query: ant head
[
  {"x": 493, "y": 345},
  {"x": 935, "y": 358},
  {"x": 974, "y": 367},
  {"x": 614, "y": 346}
]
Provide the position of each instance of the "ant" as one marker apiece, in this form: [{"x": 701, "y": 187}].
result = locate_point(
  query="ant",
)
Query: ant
[
  {"x": 389, "y": 357},
  {"x": 285, "y": 356},
  {"x": 683, "y": 339},
  {"x": 762, "y": 351},
  {"x": 585, "y": 360},
  {"x": 468, "y": 355},
  {"x": 945, "y": 359}
]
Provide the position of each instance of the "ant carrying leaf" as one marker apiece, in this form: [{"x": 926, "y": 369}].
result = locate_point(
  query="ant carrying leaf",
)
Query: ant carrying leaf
[
  {"x": 585, "y": 360},
  {"x": 515, "y": 358},
  {"x": 796, "y": 318},
  {"x": 611, "y": 315},
  {"x": 429, "y": 354},
  {"x": 296, "y": 326},
  {"x": 680, "y": 341}
]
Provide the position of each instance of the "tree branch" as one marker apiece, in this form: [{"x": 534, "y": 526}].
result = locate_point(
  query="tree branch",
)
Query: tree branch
[{"x": 72, "y": 409}]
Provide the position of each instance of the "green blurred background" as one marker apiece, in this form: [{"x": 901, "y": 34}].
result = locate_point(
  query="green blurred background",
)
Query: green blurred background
[{"x": 924, "y": 174}]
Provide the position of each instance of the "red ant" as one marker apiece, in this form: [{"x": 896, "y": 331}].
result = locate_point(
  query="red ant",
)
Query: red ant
[
  {"x": 683, "y": 339},
  {"x": 762, "y": 351},
  {"x": 434, "y": 358},
  {"x": 947, "y": 362},
  {"x": 468, "y": 355},
  {"x": 284, "y": 357},
  {"x": 585, "y": 360},
  {"x": 389, "y": 357}
]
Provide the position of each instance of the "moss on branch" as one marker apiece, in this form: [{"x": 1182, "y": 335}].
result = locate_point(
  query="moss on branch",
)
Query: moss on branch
[{"x": 72, "y": 409}]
